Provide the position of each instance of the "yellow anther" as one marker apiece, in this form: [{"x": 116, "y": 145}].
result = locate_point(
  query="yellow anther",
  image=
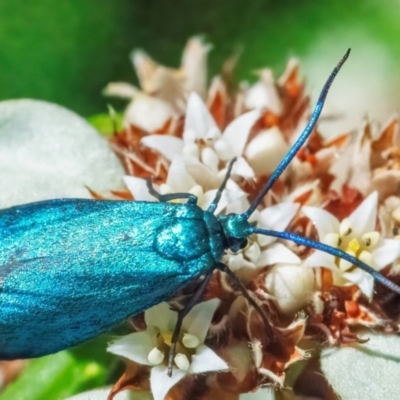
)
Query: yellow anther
[
  {"x": 353, "y": 246},
  {"x": 370, "y": 239},
  {"x": 345, "y": 227},
  {"x": 167, "y": 338}
]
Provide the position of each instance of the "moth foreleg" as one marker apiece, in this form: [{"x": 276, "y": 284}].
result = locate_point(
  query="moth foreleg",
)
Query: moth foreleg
[{"x": 198, "y": 294}]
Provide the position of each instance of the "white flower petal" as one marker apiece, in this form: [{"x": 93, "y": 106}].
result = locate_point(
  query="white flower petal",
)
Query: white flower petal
[
  {"x": 324, "y": 221},
  {"x": 179, "y": 178},
  {"x": 209, "y": 197},
  {"x": 278, "y": 217},
  {"x": 362, "y": 279},
  {"x": 161, "y": 316},
  {"x": 386, "y": 253},
  {"x": 194, "y": 63},
  {"x": 198, "y": 321},
  {"x": 138, "y": 188},
  {"x": 205, "y": 360},
  {"x": 242, "y": 168},
  {"x": 320, "y": 259},
  {"x": 203, "y": 175},
  {"x": 198, "y": 119},
  {"x": 136, "y": 346},
  {"x": 238, "y": 262},
  {"x": 277, "y": 253},
  {"x": 264, "y": 93},
  {"x": 238, "y": 131},
  {"x": 292, "y": 285},
  {"x": 264, "y": 240},
  {"x": 147, "y": 113},
  {"x": 223, "y": 149},
  {"x": 363, "y": 218},
  {"x": 145, "y": 68},
  {"x": 266, "y": 151},
  {"x": 210, "y": 158},
  {"x": 238, "y": 206},
  {"x": 120, "y": 89},
  {"x": 230, "y": 195},
  {"x": 161, "y": 383},
  {"x": 168, "y": 146}
]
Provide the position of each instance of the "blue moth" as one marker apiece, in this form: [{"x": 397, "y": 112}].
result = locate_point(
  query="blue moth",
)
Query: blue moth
[{"x": 71, "y": 269}]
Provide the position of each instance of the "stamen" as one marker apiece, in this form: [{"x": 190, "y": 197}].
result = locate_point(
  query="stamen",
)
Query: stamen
[
  {"x": 213, "y": 134},
  {"x": 190, "y": 341},
  {"x": 370, "y": 239},
  {"x": 197, "y": 191},
  {"x": 345, "y": 227},
  {"x": 223, "y": 150},
  {"x": 191, "y": 150},
  {"x": 155, "y": 356},
  {"x": 210, "y": 158},
  {"x": 182, "y": 362}
]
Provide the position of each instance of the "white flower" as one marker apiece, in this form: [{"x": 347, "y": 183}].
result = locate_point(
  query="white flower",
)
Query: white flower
[
  {"x": 357, "y": 236},
  {"x": 264, "y": 94},
  {"x": 265, "y": 250},
  {"x": 290, "y": 285},
  {"x": 150, "y": 347},
  {"x": 143, "y": 111},
  {"x": 179, "y": 180},
  {"x": 266, "y": 151},
  {"x": 203, "y": 141}
]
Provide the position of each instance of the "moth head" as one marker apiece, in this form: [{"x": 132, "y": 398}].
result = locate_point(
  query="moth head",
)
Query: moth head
[{"x": 237, "y": 229}]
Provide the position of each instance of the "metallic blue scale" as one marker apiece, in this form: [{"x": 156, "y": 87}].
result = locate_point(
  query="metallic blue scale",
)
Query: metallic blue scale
[{"x": 71, "y": 269}]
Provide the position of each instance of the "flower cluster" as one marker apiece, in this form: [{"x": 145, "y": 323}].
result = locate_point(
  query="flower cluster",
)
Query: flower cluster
[{"x": 342, "y": 191}]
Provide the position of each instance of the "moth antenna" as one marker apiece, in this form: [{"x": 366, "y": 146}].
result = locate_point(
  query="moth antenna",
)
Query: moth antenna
[
  {"x": 300, "y": 141},
  {"x": 218, "y": 195},
  {"x": 330, "y": 250}
]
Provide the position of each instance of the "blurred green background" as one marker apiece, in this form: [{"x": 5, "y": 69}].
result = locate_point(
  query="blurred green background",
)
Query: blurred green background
[{"x": 67, "y": 51}]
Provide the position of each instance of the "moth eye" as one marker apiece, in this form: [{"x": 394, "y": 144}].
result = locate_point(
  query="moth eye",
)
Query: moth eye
[{"x": 244, "y": 244}]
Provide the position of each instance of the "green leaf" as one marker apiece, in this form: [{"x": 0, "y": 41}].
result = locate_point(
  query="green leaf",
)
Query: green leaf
[
  {"x": 105, "y": 124},
  {"x": 55, "y": 377},
  {"x": 367, "y": 371}
]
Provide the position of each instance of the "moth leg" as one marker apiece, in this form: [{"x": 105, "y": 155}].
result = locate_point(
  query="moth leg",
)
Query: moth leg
[
  {"x": 224, "y": 268},
  {"x": 218, "y": 195},
  {"x": 182, "y": 314},
  {"x": 191, "y": 198}
]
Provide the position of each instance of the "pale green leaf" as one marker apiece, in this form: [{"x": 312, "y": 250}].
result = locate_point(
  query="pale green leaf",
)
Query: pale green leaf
[{"x": 369, "y": 371}]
